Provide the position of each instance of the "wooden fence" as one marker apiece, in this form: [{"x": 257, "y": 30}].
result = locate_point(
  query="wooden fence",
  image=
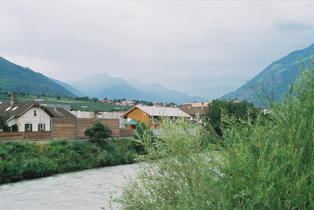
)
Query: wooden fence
[{"x": 66, "y": 128}]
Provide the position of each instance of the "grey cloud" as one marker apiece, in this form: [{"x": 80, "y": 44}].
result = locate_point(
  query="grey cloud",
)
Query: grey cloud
[{"x": 205, "y": 48}]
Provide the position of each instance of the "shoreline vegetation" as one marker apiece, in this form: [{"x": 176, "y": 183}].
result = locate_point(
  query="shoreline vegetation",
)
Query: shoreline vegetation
[
  {"x": 261, "y": 163},
  {"x": 20, "y": 161}
]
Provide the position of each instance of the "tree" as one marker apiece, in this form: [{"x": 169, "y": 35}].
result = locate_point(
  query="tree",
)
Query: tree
[
  {"x": 98, "y": 133},
  {"x": 3, "y": 125},
  {"x": 243, "y": 110},
  {"x": 143, "y": 134}
]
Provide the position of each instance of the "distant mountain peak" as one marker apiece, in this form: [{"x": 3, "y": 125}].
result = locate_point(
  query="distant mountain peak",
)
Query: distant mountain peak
[{"x": 132, "y": 89}]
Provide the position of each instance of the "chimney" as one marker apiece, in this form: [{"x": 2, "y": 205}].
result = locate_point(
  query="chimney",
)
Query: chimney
[{"x": 13, "y": 99}]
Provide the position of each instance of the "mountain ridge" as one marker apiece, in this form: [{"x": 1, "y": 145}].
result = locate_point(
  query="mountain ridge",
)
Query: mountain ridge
[
  {"x": 16, "y": 78},
  {"x": 275, "y": 80},
  {"x": 133, "y": 89}
]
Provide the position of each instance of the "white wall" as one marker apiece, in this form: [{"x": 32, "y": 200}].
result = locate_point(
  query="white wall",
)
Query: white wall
[{"x": 28, "y": 118}]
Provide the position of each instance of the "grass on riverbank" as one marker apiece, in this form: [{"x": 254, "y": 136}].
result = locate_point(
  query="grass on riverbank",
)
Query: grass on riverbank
[{"x": 19, "y": 161}]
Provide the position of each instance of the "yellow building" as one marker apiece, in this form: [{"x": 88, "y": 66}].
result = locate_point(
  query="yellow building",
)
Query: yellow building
[{"x": 150, "y": 115}]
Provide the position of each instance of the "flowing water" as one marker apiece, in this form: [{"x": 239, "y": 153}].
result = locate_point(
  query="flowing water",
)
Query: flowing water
[{"x": 89, "y": 189}]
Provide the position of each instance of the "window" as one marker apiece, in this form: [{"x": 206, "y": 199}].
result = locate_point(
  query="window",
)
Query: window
[
  {"x": 41, "y": 127},
  {"x": 35, "y": 114},
  {"x": 28, "y": 127}
]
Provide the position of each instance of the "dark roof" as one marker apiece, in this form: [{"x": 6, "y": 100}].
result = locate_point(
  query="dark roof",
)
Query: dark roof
[
  {"x": 189, "y": 109},
  {"x": 60, "y": 112},
  {"x": 18, "y": 109}
]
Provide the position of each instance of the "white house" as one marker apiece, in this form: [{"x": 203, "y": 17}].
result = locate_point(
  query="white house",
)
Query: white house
[{"x": 31, "y": 116}]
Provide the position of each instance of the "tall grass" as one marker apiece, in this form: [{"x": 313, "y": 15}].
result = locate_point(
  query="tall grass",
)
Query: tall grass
[{"x": 265, "y": 165}]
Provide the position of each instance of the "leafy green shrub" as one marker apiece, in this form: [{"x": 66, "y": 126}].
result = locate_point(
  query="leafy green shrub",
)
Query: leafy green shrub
[
  {"x": 270, "y": 165},
  {"x": 242, "y": 110},
  {"x": 141, "y": 132},
  {"x": 104, "y": 158},
  {"x": 34, "y": 168},
  {"x": 98, "y": 133},
  {"x": 265, "y": 164},
  {"x": 10, "y": 171},
  {"x": 20, "y": 161},
  {"x": 176, "y": 171}
]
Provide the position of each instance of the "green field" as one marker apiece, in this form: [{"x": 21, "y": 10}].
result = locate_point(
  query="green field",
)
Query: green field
[{"x": 89, "y": 105}]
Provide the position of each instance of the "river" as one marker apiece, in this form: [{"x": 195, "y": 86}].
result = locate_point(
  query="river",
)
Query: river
[{"x": 89, "y": 189}]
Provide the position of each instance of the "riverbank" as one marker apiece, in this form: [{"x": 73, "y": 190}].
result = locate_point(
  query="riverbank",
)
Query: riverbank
[
  {"x": 81, "y": 190},
  {"x": 20, "y": 161}
]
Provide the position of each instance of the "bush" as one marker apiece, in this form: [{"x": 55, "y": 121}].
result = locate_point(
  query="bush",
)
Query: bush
[
  {"x": 265, "y": 164},
  {"x": 176, "y": 171},
  {"x": 38, "y": 167},
  {"x": 20, "y": 161},
  {"x": 242, "y": 110},
  {"x": 98, "y": 133}
]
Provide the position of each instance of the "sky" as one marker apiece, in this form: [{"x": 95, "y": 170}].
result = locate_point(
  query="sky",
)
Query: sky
[{"x": 201, "y": 48}]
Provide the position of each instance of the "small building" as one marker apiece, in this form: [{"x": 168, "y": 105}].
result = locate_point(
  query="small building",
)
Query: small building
[
  {"x": 106, "y": 101},
  {"x": 128, "y": 103},
  {"x": 196, "y": 109},
  {"x": 31, "y": 116},
  {"x": 150, "y": 115}
]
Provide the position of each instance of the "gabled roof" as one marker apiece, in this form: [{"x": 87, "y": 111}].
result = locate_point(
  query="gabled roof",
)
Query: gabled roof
[
  {"x": 194, "y": 108},
  {"x": 154, "y": 111},
  {"x": 60, "y": 112},
  {"x": 10, "y": 111}
]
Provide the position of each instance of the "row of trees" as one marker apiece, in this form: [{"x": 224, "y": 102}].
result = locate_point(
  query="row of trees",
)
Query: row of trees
[{"x": 241, "y": 110}]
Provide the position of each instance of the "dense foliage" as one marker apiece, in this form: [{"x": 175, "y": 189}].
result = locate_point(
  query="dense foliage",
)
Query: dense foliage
[
  {"x": 141, "y": 132},
  {"x": 3, "y": 124},
  {"x": 242, "y": 110},
  {"x": 20, "y": 161},
  {"x": 268, "y": 164},
  {"x": 98, "y": 133}
]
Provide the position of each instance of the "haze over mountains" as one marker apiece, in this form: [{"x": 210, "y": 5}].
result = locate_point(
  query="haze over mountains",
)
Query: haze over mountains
[
  {"x": 275, "y": 80},
  {"x": 104, "y": 86}
]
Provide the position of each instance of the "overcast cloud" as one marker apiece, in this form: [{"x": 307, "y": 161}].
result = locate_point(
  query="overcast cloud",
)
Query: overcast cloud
[{"x": 204, "y": 48}]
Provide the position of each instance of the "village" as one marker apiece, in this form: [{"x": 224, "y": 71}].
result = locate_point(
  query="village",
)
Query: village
[{"x": 35, "y": 121}]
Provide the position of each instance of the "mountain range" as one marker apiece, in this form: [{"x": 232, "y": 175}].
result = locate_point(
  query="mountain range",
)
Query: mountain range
[
  {"x": 104, "y": 86},
  {"x": 16, "y": 78},
  {"x": 275, "y": 80}
]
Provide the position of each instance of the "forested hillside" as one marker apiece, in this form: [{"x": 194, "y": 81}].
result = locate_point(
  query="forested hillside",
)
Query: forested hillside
[{"x": 19, "y": 79}]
